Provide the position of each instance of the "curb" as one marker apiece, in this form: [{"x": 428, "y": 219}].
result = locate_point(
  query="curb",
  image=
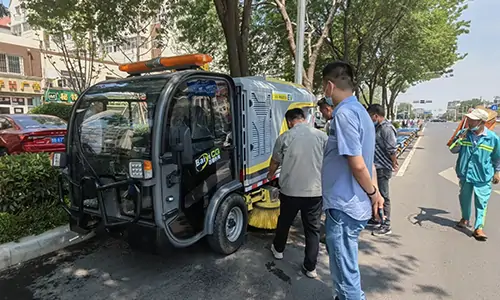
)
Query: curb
[{"x": 30, "y": 247}]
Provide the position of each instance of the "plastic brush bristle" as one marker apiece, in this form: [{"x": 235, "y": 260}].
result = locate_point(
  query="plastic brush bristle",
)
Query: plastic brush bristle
[{"x": 264, "y": 218}]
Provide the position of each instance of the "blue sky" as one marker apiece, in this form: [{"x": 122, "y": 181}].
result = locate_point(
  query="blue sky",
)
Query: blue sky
[{"x": 476, "y": 75}]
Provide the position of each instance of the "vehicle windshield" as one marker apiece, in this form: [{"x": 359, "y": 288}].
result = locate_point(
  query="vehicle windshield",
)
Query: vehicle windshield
[
  {"x": 115, "y": 119},
  {"x": 36, "y": 122}
]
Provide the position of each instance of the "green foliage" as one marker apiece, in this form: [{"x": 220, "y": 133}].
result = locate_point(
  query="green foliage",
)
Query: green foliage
[
  {"x": 26, "y": 180},
  {"x": 33, "y": 220},
  {"x": 28, "y": 196},
  {"x": 60, "y": 110},
  {"x": 79, "y": 29},
  {"x": 396, "y": 124},
  {"x": 405, "y": 110}
]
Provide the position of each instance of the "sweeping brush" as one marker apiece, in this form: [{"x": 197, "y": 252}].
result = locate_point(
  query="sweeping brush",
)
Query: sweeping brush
[{"x": 264, "y": 215}]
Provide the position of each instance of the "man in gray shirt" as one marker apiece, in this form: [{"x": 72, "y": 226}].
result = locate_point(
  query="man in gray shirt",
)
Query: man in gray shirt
[
  {"x": 299, "y": 152},
  {"x": 386, "y": 161}
]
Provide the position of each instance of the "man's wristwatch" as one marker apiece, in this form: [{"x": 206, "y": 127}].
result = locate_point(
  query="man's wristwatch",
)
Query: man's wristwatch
[{"x": 374, "y": 192}]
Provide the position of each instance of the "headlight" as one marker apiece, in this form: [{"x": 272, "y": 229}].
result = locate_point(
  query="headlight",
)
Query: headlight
[{"x": 140, "y": 169}]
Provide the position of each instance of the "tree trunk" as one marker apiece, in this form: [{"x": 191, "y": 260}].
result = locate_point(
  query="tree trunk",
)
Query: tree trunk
[
  {"x": 227, "y": 11},
  {"x": 392, "y": 100},
  {"x": 347, "y": 8},
  {"x": 308, "y": 77},
  {"x": 309, "y": 80},
  {"x": 244, "y": 36},
  {"x": 371, "y": 92},
  {"x": 385, "y": 105}
]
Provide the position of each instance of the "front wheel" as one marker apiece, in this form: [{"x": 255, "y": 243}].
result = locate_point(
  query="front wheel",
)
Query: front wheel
[{"x": 230, "y": 225}]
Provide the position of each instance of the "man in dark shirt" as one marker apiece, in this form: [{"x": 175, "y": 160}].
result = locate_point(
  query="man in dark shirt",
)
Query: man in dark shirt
[{"x": 386, "y": 161}]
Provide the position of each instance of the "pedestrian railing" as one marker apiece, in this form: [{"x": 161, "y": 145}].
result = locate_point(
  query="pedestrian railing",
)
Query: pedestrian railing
[{"x": 405, "y": 138}]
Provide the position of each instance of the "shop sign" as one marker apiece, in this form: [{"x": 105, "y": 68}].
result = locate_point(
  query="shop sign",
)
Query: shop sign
[
  {"x": 12, "y": 85},
  {"x": 20, "y": 86},
  {"x": 60, "y": 96}
]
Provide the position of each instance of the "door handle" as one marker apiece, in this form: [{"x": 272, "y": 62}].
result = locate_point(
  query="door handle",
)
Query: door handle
[{"x": 173, "y": 178}]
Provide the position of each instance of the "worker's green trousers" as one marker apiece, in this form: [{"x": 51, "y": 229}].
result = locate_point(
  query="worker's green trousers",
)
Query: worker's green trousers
[{"x": 482, "y": 192}]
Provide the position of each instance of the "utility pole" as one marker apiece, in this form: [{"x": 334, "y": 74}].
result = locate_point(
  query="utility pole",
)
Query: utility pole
[{"x": 299, "y": 51}]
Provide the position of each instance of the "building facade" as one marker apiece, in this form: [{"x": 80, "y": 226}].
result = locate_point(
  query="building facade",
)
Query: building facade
[
  {"x": 58, "y": 77},
  {"x": 20, "y": 75}
]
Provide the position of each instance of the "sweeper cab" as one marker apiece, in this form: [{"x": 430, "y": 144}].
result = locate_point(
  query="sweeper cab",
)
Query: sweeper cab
[{"x": 172, "y": 157}]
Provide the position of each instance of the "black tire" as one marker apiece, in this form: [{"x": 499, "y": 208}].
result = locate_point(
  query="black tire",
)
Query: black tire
[
  {"x": 3, "y": 152},
  {"x": 219, "y": 240}
]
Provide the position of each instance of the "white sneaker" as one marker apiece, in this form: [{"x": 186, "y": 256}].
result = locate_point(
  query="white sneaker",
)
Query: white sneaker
[
  {"x": 276, "y": 254},
  {"x": 310, "y": 274}
]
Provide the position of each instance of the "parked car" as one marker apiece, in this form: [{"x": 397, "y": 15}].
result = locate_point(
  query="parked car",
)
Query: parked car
[{"x": 31, "y": 133}]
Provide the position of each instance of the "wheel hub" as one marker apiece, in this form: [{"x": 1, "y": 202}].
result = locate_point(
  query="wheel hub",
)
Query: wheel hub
[{"x": 234, "y": 224}]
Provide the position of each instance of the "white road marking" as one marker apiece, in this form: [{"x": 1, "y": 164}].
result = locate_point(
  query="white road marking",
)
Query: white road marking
[
  {"x": 407, "y": 160},
  {"x": 450, "y": 175}
]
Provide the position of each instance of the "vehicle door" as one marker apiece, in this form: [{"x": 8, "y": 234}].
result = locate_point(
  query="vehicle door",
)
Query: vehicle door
[{"x": 201, "y": 107}]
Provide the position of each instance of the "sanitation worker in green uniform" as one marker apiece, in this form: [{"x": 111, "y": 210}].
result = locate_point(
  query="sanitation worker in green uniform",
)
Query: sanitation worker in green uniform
[{"x": 478, "y": 166}]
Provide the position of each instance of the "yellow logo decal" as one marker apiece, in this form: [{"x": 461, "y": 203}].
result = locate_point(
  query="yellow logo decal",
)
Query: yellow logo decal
[{"x": 282, "y": 96}]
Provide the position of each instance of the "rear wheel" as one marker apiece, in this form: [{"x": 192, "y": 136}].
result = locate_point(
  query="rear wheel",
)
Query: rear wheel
[{"x": 230, "y": 225}]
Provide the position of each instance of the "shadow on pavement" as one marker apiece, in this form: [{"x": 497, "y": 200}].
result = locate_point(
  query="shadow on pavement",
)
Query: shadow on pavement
[
  {"x": 433, "y": 215},
  {"x": 384, "y": 276},
  {"x": 431, "y": 290},
  {"x": 110, "y": 270}
]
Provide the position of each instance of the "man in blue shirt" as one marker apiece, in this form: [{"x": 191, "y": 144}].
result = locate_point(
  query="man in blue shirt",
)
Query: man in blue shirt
[{"x": 350, "y": 195}]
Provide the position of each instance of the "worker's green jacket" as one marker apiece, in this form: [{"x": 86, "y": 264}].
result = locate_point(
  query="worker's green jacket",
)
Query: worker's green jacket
[{"x": 478, "y": 156}]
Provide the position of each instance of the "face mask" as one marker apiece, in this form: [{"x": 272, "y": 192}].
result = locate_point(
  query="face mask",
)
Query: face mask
[
  {"x": 329, "y": 100},
  {"x": 475, "y": 128},
  {"x": 375, "y": 123}
]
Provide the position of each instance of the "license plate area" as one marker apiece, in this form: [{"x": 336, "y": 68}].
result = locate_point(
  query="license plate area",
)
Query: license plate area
[{"x": 57, "y": 140}]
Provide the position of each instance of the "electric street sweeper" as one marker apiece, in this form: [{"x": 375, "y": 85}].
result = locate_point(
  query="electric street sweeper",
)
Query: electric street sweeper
[{"x": 168, "y": 158}]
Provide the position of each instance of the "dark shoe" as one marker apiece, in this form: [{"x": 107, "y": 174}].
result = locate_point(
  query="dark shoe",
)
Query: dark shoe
[
  {"x": 463, "y": 223},
  {"x": 479, "y": 235},
  {"x": 383, "y": 230},
  {"x": 373, "y": 223}
]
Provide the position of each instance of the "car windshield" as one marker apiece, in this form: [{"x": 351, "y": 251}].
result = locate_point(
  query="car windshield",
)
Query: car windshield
[
  {"x": 36, "y": 122},
  {"x": 115, "y": 118}
]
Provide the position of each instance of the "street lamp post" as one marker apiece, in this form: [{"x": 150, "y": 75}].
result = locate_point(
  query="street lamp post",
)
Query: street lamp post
[{"x": 299, "y": 51}]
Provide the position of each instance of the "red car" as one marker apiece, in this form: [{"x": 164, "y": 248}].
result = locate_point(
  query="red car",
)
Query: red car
[{"x": 31, "y": 133}]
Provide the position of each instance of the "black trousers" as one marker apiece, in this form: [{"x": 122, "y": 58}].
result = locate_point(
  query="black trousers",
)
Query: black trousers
[
  {"x": 310, "y": 212},
  {"x": 383, "y": 177}
]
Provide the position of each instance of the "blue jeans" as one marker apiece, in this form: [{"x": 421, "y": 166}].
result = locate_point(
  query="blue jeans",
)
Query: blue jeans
[{"x": 342, "y": 233}]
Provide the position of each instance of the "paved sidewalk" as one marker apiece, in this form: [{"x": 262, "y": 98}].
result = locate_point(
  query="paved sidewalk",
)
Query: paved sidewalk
[{"x": 426, "y": 257}]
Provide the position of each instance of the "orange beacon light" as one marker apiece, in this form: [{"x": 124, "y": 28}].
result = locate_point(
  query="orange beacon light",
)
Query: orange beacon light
[{"x": 167, "y": 63}]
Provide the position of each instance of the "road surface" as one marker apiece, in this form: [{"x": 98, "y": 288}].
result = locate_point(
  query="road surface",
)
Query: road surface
[{"x": 426, "y": 257}]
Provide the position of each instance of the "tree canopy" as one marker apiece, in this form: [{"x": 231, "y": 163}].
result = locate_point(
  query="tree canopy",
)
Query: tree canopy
[
  {"x": 80, "y": 28},
  {"x": 392, "y": 44}
]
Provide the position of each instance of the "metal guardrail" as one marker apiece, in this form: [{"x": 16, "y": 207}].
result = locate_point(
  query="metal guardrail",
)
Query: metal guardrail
[{"x": 405, "y": 138}]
